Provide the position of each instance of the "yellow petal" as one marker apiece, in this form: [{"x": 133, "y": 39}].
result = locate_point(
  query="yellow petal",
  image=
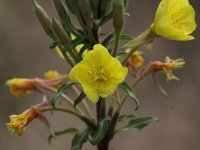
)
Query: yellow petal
[
  {"x": 175, "y": 20},
  {"x": 91, "y": 93},
  {"x": 107, "y": 89}
]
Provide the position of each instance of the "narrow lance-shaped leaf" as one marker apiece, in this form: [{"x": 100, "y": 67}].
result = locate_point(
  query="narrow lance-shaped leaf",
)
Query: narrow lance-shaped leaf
[
  {"x": 126, "y": 37},
  {"x": 60, "y": 92},
  {"x": 102, "y": 131},
  {"x": 54, "y": 44},
  {"x": 85, "y": 47},
  {"x": 59, "y": 133},
  {"x": 137, "y": 123},
  {"x": 79, "y": 139},
  {"x": 78, "y": 40},
  {"x": 79, "y": 99},
  {"x": 129, "y": 91},
  {"x": 125, "y": 117}
]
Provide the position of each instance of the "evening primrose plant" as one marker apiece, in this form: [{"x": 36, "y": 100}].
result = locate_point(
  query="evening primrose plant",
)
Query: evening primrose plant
[{"x": 99, "y": 65}]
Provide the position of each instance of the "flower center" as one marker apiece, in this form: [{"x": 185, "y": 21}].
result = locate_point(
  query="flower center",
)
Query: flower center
[
  {"x": 178, "y": 20},
  {"x": 99, "y": 74}
]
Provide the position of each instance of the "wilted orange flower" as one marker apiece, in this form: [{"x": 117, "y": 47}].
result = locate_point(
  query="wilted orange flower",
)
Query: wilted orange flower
[
  {"x": 168, "y": 66},
  {"x": 20, "y": 87},
  {"x": 51, "y": 74},
  {"x": 18, "y": 123}
]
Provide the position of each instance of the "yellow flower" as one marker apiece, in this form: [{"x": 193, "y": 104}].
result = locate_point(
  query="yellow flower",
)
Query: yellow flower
[
  {"x": 18, "y": 123},
  {"x": 20, "y": 87},
  {"x": 51, "y": 74},
  {"x": 98, "y": 73},
  {"x": 175, "y": 20}
]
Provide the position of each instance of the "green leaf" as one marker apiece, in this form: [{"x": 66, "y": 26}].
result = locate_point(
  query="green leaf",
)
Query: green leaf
[
  {"x": 129, "y": 91},
  {"x": 60, "y": 91},
  {"x": 79, "y": 139},
  {"x": 125, "y": 117},
  {"x": 76, "y": 42},
  {"x": 102, "y": 131},
  {"x": 79, "y": 98},
  {"x": 120, "y": 54},
  {"x": 85, "y": 47},
  {"x": 126, "y": 37},
  {"x": 59, "y": 133},
  {"x": 137, "y": 123},
  {"x": 53, "y": 45}
]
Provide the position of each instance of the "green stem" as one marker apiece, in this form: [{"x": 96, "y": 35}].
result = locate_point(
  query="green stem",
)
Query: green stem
[
  {"x": 110, "y": 110},
  {"x": 117, "y": 39},
  {"x": 64, "y": 96},
  {"x": 101, "y": 109},
  {"x": 85, "y": 105},
  {"x": 46, "y": 109},
  {"x": 89, "y": 31},
  {"x": 85, "y": 119},
  {"x": 65, "y": 56},
  {"x": 133, "y": 49},
  {"x": 71, "y": 52},
  {"x": 145, "y": 37}
]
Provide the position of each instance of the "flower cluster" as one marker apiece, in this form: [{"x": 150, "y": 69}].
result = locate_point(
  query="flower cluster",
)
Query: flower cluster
[{"x": 99, "y": 66}]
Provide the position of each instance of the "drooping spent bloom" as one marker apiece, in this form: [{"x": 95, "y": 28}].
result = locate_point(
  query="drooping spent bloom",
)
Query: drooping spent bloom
[
  {"x": 171, "y": 64},
  {"x": 54, "y": 78},
  {"x": 136, "y": 59},
  {"x": 175, "y": 20},
  {"x": 98, "y": 73},
  {"x": 20, "y": 87},
  {"x": 168, "y": 66},
  {"x": 18, "y": 123},
  {"x": 135, "y": 62},
  {"x": 51, "y": 74}
]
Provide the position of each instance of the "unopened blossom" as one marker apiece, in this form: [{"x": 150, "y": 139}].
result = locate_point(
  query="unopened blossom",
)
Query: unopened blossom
[
  {"x": 175, "y": 20},
  {"x": 98, "y": 73},
  {"x": 18, "y": 123}
]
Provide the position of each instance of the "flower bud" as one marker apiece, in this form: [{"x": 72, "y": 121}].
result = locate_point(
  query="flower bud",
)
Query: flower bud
[
  {"x": 118, "y": 19},
  {"x": 73, "y": 6},
  {"x": 42, "y": 17},
  {"x": 85, "y": 10},
  {"x": 59, "y": 31}
]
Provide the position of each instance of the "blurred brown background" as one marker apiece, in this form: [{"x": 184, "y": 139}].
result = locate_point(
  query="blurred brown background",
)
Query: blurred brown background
[{"x": 25, "y": 53}]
